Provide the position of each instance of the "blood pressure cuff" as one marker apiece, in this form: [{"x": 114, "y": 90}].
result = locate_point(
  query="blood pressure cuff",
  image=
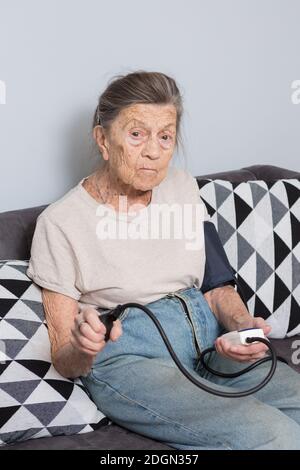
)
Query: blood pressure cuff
[{"x": 218, "y": 271}]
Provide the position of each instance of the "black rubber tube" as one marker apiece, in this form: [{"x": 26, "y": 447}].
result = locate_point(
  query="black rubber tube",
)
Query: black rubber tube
[{"x": 120, "y": 308}]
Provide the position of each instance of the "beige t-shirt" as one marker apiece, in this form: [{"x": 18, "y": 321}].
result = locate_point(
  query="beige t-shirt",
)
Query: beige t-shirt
[{"x": 102, "y": 257}]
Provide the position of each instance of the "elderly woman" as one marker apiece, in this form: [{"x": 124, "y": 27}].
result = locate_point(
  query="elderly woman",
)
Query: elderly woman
[{"x": 84, "y": 264}]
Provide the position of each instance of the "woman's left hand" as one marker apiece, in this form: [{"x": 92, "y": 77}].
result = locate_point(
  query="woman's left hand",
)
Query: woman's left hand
[{"x": 244, "y": 353}]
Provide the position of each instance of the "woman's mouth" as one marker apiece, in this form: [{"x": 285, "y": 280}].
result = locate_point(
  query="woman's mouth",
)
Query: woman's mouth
[{"x": 149, "y": 170}]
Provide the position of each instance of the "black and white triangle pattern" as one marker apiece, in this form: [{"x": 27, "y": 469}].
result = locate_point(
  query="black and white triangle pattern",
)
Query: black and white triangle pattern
[
  {"x": 259, "y": 225},
  {"x": 35, "y": 400}
]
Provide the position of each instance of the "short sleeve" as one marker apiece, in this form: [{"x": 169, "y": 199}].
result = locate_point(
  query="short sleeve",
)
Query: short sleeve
[{"x": 52, "y": 263}]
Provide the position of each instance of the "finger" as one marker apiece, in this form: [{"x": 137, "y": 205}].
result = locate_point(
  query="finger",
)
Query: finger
[
  {"x": 80, "y": 320},
  {"x": 222, "y": 350},
  {"x": 243, "y": 357},
  {"x": 259, "y": 322},
  {"x": 116, "y": 330},
  {"x": 76, "y": 345},
  {"x": 90, "y": 315},
  {"x": 252, "y": 359},
  {"x": 225, "y": 348},
  {"x": 249, "y": 350},
  {"x": 232, "y": 349},
  {"x": 259, "y": 356},
  {"x": 78, "y": 333},
  {"x": 86, "y": 330},
  {"x": 86, "y": 343},
  {"x": 266, "y": 329},
  {"x": 87, "y": 352},
  {"x": 218, "y": 346}
]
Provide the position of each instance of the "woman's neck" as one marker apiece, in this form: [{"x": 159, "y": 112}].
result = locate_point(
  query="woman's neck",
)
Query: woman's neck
[{"x": 107, "y": 189}]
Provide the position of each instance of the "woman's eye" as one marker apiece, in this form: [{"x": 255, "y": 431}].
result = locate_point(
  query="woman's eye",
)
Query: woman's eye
[
  {"x": 136, "y": 135},
  {"x": 167, "y": 138}
]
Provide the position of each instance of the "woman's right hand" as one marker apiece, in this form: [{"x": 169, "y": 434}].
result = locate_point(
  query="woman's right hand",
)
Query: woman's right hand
[{"x": 88, "y": 332}]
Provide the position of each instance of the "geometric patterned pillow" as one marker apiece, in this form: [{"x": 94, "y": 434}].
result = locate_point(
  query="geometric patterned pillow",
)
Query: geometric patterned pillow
[
  {"x": 35, "y": 400},
  {"x": 259, "y": 225}
]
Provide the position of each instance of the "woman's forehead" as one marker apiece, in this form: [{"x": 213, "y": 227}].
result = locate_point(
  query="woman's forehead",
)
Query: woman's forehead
[{"x": 164, "y": 114}]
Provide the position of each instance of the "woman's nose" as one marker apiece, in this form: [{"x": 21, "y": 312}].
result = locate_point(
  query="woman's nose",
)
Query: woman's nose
[{"x": 151, "y": 148}]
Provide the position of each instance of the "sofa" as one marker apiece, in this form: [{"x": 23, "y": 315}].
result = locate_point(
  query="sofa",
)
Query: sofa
[{"x": 16, "y": 231}]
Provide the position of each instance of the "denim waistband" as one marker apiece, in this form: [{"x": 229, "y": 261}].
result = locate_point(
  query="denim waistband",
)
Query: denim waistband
[{"x": 186, "y": 319}]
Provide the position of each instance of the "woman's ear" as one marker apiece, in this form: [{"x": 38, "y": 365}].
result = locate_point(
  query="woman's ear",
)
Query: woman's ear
[{"x": 101, "y": 140}]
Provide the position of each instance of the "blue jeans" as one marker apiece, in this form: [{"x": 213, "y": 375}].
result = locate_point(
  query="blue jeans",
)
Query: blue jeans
[{"x": 135, "y": 382}]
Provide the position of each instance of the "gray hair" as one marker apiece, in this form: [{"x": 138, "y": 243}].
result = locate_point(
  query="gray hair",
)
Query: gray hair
[{"x": 137, "y": 87}]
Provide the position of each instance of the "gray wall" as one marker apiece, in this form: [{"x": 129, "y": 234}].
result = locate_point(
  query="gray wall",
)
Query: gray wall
[{"x": 235, "y": 61}]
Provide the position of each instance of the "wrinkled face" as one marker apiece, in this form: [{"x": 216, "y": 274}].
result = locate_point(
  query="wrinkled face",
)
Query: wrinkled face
[{"x": 140, "y": 143}]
